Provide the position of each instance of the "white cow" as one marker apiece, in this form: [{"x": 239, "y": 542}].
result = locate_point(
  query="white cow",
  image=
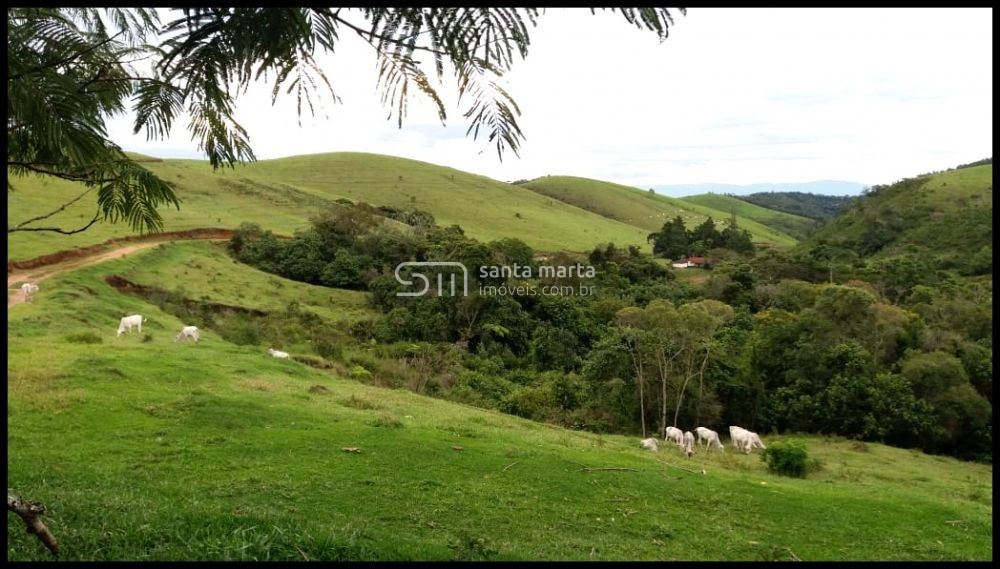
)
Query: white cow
[
  {"x": 688, "y": 443},
  {"x": 753, "y": 441},
  {"x": 709, "y": 437},
  {"x": 738, "y": 435},
  {"x": 649, "y": 444},
  {"x": 674, "y": 434},
  {"x": 745, "y": 440},
  {"x": 128, "y": 322},
  {"x": 28, "y": 289},
  {"x": 188, "y": 332},
  {"x": 278, "y": 354}
]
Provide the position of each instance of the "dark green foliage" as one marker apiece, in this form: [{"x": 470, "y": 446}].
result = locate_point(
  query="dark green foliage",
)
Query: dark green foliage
[
  {"x": 898, "y": 275},
  {"x": 974, "y": 264},
  {"x": 786, "y": 459},
  {"x": 345, "y": 271},
  {"x": 757, "y": 344},
  {"x": 672, "y": 241},
  {"x": 706, "y": 234},
  {"x": 736, "y": 239},
  {"x": 814, "y": 206},
  {"x": 873, "y": 240}
]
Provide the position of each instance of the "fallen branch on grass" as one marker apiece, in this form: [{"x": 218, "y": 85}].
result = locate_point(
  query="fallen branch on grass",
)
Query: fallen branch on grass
[
  {"x": 682, "y": 468},
  {"x": 509, "y": 465},
  {"x": 29, "y": 512}
]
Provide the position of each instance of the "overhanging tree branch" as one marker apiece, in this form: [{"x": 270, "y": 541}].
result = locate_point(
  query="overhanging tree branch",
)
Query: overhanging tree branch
[
  {"x": 50, "y": 214},
  {"x": 97, "y": 217},
  {"x": 66, "y": 59}
]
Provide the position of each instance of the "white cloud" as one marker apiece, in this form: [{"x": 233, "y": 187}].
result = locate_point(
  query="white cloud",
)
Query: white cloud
[{"x": 733, "y": 96}]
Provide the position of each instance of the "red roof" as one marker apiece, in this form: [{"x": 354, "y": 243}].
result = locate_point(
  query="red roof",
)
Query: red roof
[{"x": 697, "y": 260}]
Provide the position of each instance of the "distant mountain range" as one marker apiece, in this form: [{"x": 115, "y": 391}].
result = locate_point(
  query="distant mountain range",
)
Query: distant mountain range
[{"x": 826, "y": 187}]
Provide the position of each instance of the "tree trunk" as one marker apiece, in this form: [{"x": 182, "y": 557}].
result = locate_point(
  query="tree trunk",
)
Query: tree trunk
[
  {"x": 633, "y": 349},
  {"x": 663, "y": 400},
  {"x": 687, "y": 378},
  {"x": 642, "y": 399}
]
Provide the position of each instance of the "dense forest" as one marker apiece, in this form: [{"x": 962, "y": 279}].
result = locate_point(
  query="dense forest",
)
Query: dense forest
[
  {"x": 892, "y": 350},
  {"x": 814, "y": 206}
]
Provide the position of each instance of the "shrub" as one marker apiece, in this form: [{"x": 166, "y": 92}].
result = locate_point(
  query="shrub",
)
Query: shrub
[
  {"x": 84, "y": 338},
  {"x": 386, "y": 420},
  {"x": 358, "y": 403},
  {"x": 360, "y": 373},
  {"x": 147, "y": 337},
  {"x": 786, "y": 459},
  {"x": 242, "y": 332},
  {"x": 328, "y": 349}
]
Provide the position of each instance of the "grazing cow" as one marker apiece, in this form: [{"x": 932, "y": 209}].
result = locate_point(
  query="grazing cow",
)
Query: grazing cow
[
  {"x": 738, "y": 435},
  {"x": 688, "y": 444},
  {"x": 278, "y": 354},
  {"x": 128, "y": 322},
  {"x": 709, "y": 437},
  {"x": 649, "y": 444},
  {"x": 753, "y": 441},
  {"x": 188, "y": 332},
  {"x": 674, "y": 434},
  {"x": 745, "y": 440},
  {"x": 28, "y": 289}
]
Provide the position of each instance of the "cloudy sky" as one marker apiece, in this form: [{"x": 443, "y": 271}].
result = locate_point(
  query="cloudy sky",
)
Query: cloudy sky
[{"x": 733, "y": 96}]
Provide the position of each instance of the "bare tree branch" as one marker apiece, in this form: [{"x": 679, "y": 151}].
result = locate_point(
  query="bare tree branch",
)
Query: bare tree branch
[
  {"x": 50, "y": 214},
  {"x": 81, "y": 177},
  {"x": 29, "y": 512},
  {"x": 60, "y": 230}
]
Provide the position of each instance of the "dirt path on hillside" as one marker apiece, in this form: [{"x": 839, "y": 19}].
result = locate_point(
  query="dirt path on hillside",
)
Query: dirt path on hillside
[{"x": 39, "y": 274}]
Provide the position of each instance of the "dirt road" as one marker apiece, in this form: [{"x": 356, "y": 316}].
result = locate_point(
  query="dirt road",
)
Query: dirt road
[{"x": 39, "y": 274}]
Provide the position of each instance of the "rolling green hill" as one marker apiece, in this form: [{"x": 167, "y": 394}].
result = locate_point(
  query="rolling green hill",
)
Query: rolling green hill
[
  {"x": 641, "y": 208},
  {"x": 793, "y": 225},
  {"x": 946, "y": 214},
  {"x": 282, "y": 194},
  {"x": 146, "y": 449}
]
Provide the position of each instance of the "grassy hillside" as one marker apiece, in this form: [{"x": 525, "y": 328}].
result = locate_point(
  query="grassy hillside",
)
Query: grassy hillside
[
  {"x": 641, "y": 208},
  {"x": 282, "y": 194},
  {"x": 204, "y": 271},
  {"x": 813, "y": 206},
  {"x": 793, "y": 225},
  {"x": 156, "y": 450},
  {"x": 948, "y": 213}
]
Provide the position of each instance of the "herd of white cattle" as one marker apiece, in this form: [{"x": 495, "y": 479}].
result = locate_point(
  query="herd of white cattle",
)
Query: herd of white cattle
[
  {"x": 741, "y": 438},
  {"x": 127, "y": 323}
]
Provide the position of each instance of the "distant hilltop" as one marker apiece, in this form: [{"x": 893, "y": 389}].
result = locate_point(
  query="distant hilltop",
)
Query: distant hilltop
[{"x": 826, "y": 187}]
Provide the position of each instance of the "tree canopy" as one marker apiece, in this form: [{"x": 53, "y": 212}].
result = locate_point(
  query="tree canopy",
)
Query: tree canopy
[{"x": 70, "y": 69}]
